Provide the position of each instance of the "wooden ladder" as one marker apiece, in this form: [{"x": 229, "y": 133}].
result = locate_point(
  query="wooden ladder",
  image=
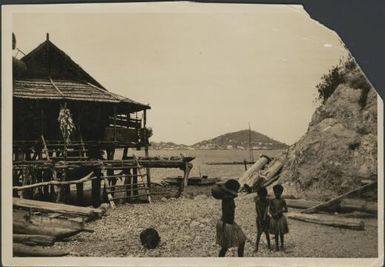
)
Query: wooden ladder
[
  {"x": 139, "y": 167},
  {"x": 130, "y": 187}
]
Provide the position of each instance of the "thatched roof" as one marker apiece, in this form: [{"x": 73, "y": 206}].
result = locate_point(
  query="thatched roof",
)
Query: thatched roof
[
  {"x": 49, "y": 89},
  {"x": 52, "y": 75}
]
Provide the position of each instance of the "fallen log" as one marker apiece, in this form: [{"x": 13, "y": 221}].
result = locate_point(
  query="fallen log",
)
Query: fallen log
[
  {"x": 253, "y": 195},
  {"x": 21, "y": 250},
  {"x": 301, "y": 203},
  {"x": 329, "y": 220},
  {"x": 33, "y": 240},
  {"x": 273, "y": 170},
  {"x": 358, "y": 214},
  {"x": 47, "y": 221},
  {"x": 346, "y": 205},
  {"x": 338, "y": 199},
  {"x": 26, "y": 227},
  {"x": 349, "y": 205},
  {"x": 249, "y": 178},
  {"x": 57, "y": 207}
]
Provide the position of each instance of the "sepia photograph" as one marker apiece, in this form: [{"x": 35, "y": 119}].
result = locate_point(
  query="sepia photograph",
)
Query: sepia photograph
[{"x": 187, "y": 130}]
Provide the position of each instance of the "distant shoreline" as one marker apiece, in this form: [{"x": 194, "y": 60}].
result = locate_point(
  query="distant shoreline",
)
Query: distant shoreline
[{"x": 212, "y": 149}]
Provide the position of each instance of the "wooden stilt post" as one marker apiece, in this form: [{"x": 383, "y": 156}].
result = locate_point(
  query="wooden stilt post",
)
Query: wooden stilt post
[
  {"x": 135, "y": 181},
  {"x": 186, "y": 173},
  {"x": 52, "y": 194},
  {"x": 184, "y": 182},
  {"x": 45, "y": 178},
  {"x": 125, "y": 153},
  {"x": 146, "y": 153},
  {"x": 41, "y": 130},
  {"x": 95, "y": 194},
  {"x": 59, "y": 190},
  {"x": 110, "y": 172},
  {"x": 80, "y": 193},
  {"x": 26, "y": 180},
  {"x": 108, "y": 192},
  {"x": 66, "y": 187},
  {"x": 114, "y": 108},
  {"x": 128, "y": 182}
]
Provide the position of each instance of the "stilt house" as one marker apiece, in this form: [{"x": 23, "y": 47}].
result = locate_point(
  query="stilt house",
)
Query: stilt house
[{"x": 103, "y": 120}]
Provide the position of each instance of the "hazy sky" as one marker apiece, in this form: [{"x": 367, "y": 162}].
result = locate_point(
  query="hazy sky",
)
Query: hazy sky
[{"x": 203, "y": 73}]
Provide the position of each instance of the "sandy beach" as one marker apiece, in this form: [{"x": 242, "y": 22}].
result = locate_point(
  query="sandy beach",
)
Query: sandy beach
[{"x": 187, "y": 229}]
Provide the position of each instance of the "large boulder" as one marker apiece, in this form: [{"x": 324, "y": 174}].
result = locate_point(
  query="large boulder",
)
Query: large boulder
[{"x": 339, "y": 149}]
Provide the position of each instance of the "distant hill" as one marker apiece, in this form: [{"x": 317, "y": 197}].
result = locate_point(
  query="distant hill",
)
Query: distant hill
[
  {"x": 169, "y": 146},
  {"x": 236, "y": 140},
  {"x": 240, "y": 140}
]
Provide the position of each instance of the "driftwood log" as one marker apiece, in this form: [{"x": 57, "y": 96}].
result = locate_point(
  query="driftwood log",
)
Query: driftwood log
[
  {"x": 49, "y": 221},
  {"x": 272, "y": 174},
  {"x": 21, "y": 250},
  {"x": 57, "y": 207},
  {"x": 345, "y": 205},
  {"x": 34, "y": 240},
  {"x": 337, "y": 200},
  {"x": 26, "y": 227},
  {"x": 330, "y": 220},
  {"x": 250, "y": 177}
]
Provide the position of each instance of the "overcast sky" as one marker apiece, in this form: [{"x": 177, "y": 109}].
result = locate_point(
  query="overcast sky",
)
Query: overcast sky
[{"x": 204, "y": 73}]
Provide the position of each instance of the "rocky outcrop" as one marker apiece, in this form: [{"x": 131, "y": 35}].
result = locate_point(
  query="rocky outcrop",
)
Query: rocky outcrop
[{"x": 339, "y": 149}]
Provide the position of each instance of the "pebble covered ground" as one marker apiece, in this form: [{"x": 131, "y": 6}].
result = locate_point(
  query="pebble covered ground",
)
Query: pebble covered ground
[{"x": 187, "y": 229}]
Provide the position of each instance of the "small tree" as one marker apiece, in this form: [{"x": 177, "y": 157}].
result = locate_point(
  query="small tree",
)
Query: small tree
[
  {"x": 329, "y": 83},
  {"x": 347, "y": 72}
]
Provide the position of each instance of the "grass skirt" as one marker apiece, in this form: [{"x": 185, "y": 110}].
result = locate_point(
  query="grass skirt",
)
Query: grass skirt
[
  {"x": 278, "y": 226},
  {"x": 229, "y": 235}
]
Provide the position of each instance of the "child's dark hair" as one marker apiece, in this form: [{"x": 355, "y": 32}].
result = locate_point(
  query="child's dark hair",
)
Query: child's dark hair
[
  {"x": 262, "y": 192},
  {"x": 278, "y": 189}
]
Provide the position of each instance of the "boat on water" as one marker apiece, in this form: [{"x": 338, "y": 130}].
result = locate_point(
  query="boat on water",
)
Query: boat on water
[
  {"x": 199, "y": 180},
  {"x": 245, "y": 162}
]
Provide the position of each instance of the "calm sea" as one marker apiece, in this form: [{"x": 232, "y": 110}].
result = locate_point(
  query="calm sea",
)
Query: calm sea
[{"x": 201, "y": 158}]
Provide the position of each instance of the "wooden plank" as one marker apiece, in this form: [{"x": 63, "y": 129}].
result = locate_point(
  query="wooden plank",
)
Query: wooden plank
[
  {"x": 301, "y": 203},
  {"x": 21, "y": 250},
  {"x": 27, "y": 227},
  {"x": 329, "y": 220},
  {"x": 33, "y": 240},
  {"x": 338, "y": 199},
  {"x": 345, "y": 205},
  {"x": 54, "y": 182},
  {"x": 56, "y": 207},
  {"x": 49, "y": 221}
]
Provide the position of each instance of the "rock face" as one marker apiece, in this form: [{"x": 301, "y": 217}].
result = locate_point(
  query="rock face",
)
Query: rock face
[{"x": 339, "y": 149}]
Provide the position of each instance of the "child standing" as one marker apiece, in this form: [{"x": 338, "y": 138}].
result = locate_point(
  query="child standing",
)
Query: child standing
[
  {"x": 278, "y": 222},
  {"x": 229, "y": 234},
  {"x": 263, "y": 218}
]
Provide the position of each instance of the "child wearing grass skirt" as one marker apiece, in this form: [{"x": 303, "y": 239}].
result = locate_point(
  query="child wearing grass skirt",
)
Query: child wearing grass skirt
[
  {"x": 278, "y": 222},
  {"x": 229, "y": 234},
  {"x": 263, "y": 218}
]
